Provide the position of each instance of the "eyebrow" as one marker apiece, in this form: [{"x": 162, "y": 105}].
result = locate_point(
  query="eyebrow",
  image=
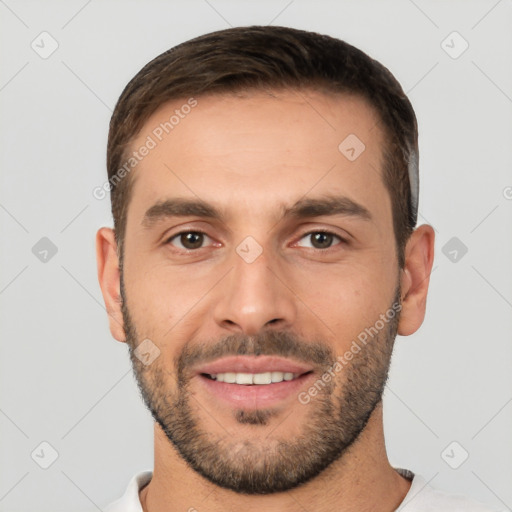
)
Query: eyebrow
[{"x": 302, "y": 209}]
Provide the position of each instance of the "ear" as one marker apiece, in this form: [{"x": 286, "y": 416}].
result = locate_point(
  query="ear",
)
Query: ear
[
  {"x": 109, "y": 278},
  {"x": 415, "y": 278}
]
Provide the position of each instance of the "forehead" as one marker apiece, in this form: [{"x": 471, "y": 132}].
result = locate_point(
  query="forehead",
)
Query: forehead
[{"x": 260, "y": 151}]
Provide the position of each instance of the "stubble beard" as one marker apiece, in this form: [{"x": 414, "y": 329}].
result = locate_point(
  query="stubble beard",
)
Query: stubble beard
[{"x": 332, "y": 422}]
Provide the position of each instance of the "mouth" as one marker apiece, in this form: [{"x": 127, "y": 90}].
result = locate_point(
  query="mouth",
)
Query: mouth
[
  {"x": 253, "y": 379},
  {"x": 253, "y": 382}
]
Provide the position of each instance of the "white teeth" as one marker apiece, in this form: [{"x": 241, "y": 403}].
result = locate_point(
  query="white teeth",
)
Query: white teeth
[
  {"x": 254, "y": 378},
  {"x": 276, "y": 376},
  {"x": 262, "y": 378},
  {"x": 244, "y": 378},
  {"x": 229, "y": 377}
]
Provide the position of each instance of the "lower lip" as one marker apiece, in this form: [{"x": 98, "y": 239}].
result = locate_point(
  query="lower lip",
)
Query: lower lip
[{"x": 255, "y": 396}]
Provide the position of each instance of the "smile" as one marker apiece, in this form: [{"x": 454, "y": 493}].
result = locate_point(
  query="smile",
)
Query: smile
[{"x": 249, "y": 379}]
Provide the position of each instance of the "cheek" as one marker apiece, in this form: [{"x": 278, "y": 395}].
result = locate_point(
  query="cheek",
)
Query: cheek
[
  {"x": 347, "y": 299},
  {"x": 162, "y": 298}
]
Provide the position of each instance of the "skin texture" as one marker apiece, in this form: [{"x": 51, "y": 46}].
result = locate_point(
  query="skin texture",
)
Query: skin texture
[{"x": 251, "y": 156}]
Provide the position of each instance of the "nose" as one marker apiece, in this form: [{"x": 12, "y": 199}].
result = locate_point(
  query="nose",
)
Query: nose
[{"x": 255, "y": 296}]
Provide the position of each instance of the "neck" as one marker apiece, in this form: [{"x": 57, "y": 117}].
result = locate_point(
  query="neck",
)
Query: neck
[{"x": 361, "y": 480}]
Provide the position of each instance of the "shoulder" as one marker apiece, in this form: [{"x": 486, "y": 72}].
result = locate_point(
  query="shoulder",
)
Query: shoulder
[
  {"x": 129, "y": 501},
  {"x": 422, "y": 497}
]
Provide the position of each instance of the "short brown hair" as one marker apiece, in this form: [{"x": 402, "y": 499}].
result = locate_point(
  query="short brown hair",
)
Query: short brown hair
[{"x": 270, "y": 58}]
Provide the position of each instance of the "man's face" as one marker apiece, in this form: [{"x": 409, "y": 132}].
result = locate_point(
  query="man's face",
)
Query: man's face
[{"x": 275, "y": 287}]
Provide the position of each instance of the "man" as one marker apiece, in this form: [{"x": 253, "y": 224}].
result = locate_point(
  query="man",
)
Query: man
[{"x": 264, "y": 187}]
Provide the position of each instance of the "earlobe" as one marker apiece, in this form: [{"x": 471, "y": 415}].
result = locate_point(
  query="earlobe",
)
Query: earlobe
[
  {"x": 109, "y": 280},
  {"x": 415, "y": 278}
]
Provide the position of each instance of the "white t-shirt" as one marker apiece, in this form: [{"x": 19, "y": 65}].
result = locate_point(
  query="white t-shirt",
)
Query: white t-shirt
[{"x": 420, "y": 498}]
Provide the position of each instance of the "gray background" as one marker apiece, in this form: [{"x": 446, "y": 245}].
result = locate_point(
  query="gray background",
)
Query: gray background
[{"x": 66, "y": 382}]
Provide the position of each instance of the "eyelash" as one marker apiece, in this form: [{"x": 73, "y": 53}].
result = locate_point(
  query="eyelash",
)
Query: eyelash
[{"x": 323, "y": 231}]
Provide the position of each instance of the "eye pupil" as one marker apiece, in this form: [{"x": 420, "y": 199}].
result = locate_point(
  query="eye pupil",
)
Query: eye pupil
[
  {"x": 192, "y": 240},
  {"x": 321, "y": 240}
]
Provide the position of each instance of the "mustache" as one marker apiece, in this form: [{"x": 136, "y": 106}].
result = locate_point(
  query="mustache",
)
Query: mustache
[{"x": 270, "y": 343}]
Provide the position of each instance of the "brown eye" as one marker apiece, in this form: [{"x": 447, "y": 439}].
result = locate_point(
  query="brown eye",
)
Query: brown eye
[
  {"x": 192, "y": 240},
  {"x": 320, "y": 239},
  {"x": 188, "y": 240}
]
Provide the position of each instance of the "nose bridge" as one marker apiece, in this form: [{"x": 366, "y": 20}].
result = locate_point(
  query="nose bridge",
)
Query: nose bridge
[{"x": 253, "y": 294}]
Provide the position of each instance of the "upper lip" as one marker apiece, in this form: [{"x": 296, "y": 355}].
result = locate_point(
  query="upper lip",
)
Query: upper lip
[{"x": 253, "y": 364}]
